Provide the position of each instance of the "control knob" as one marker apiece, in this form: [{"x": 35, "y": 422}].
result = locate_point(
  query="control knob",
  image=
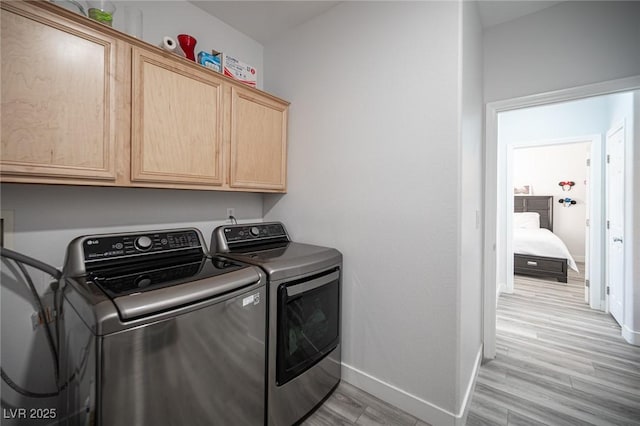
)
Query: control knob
[
  {"x": 143, "y": 243},
  {"x": 255, "y": 231}
]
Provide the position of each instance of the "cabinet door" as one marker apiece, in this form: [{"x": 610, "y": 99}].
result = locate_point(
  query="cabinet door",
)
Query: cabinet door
[
  {"x": 258, "y": 141},
  {"x": 58, "y": 98},
  {"x": 177, "y": 119}
]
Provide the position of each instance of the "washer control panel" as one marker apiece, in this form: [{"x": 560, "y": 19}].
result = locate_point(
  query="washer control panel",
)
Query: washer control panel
[{"x": 122, "y": 245}]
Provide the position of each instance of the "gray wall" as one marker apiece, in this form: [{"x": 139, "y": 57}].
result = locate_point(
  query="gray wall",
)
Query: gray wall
[
  {"x": 375, "y": 162},
  {"x": 633, "y": 305},
  {"x": 570, "y": 44},
  {"x": 170, "y": 18},
  {"x": 470, "y": 203}
]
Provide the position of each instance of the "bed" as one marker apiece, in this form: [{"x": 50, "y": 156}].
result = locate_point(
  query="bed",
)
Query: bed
[{"x": 537, "y": 250}]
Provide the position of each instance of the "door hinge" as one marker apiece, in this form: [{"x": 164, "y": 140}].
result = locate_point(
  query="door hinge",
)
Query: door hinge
[
  {"x": 587, "y": 283},
  {"x": 608, "y": 224},
  {"x": 588, "y": 162},
  {"x": 608, "y": 158},
  {"x": 607, "y": 290},
  {"x": 587, "y": 222}
]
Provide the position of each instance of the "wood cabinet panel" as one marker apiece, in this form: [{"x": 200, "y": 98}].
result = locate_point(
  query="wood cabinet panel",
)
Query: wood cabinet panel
[
  {"x": 58, "y": 97},
  {"x": 177, "y": 122},
  {"x": 85, "y": 104},
  {"x": 258, "y": 141}
]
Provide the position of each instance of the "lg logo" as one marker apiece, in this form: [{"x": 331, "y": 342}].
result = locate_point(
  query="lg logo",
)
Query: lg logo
[{"x": 92, "y": 242}]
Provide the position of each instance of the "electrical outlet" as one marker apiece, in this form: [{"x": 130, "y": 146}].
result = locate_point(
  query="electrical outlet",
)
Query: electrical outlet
[
  {"x": 6, "y": 228},
  {"x": 231, "y": 212}
]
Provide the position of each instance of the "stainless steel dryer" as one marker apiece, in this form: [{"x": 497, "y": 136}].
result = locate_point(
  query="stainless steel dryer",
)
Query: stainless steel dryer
[
  {"x": 156, "y": 332},
  {"x": 304, "y": 314}
]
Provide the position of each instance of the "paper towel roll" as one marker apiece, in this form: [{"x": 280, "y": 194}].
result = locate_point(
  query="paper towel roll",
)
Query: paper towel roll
[{"x": 168, "y": 44}]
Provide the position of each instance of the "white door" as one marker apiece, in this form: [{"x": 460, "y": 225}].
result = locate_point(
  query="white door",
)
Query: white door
[
  {"x": 615, "y": 221},
  {"x": 587, "y": 231}
]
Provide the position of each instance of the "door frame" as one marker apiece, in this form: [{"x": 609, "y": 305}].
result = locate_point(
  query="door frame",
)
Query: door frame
[
  {"x": 490, "y": 295},
  {"x": 595, "y": 207}
]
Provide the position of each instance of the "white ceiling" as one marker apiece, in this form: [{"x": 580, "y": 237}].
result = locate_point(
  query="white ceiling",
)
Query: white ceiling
[
  {"x": 265, "y": 20},
  {"x": 498, "y": 12}
]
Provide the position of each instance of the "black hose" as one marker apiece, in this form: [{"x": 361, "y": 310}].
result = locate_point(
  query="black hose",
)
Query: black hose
[
  {"x": 20, "y": 260},
  {"x": 43, "y": 316},
  {"x": 19, "y": 257},
  {"x": 25, "y": 392}
]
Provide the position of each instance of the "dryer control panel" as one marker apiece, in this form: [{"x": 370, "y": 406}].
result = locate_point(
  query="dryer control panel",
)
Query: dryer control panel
[{"x": 226, "y": 237}]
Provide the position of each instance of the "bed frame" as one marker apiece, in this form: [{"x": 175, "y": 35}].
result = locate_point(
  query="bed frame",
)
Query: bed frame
[{"x": 538, "y": 266}]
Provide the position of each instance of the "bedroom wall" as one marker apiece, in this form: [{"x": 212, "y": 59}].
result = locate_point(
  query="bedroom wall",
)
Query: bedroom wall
[
  {"x": 542, "y": 168},
  {"x": 375, "y": 171}
]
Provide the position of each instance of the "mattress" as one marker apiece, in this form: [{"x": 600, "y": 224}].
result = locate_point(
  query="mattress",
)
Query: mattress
[{"x": 541, "y": 242}]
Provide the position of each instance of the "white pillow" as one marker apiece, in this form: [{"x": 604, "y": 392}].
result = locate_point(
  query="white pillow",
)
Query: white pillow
[{"x": 526, "y": 220}]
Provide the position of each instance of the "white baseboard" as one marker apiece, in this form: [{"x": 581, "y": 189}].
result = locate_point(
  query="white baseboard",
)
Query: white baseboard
[
  {"x": 461, "y": 418},
  {"x": 632, "y": 337},
  {"x": 414, "y": 405},
  {"x": 578, "y": 258}
]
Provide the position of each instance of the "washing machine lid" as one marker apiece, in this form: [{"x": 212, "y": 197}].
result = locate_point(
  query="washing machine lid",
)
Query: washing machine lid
[
  {"x": 153, "y": 274},
  {"x": 268, "y": 245},
  {"x": 216, "y": 277},
  {"x": 142, "y": 274},
  {"x": 289, "y": 260}
]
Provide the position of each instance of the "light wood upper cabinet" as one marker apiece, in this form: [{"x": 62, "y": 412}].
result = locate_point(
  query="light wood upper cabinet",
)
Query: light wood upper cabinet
[
  {"x": 58, "y": 97},
  {"x": 83, "y": 103},
  {"x": 177, "y": 122},
  {"x": 258, "y": 141}
]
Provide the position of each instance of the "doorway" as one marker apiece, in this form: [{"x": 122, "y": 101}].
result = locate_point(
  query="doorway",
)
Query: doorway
[
  {"x": 496, "y": 189},
  {"x": 540, "y": 167}
]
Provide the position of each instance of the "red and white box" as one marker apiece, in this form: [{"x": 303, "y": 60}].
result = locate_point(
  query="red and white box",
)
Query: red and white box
[{"x": 238, "y": 70}]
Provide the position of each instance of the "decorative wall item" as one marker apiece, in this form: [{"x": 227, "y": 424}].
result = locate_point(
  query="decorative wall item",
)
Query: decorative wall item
[
  {"x": 567, "y": 202},
  {"x": 566, "y": 186},
  {"x": 523, "y": 190}
]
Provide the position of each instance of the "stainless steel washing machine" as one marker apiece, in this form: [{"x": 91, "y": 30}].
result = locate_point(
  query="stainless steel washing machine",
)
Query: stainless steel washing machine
[
  {"x": 304, "y": 314},
  {"x": 153, "y": 331}
]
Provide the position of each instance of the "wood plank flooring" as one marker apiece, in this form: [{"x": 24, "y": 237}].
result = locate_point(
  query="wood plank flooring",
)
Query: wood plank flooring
[
  {"x": 558, "y": 362},
  {"x": 349, "y": 405}
]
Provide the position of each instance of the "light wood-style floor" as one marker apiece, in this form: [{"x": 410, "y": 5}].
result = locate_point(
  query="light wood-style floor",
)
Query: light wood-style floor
[
  {"x": 558, "y": 362},
  {"x": 349, "y": 405}
]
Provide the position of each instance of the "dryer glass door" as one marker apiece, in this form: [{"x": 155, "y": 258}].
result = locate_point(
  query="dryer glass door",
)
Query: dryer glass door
[{"x": 308, "y": 323}]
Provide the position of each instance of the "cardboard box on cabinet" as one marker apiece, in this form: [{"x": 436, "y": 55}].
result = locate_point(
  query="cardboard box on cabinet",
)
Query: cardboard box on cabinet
[{"x": 238, "y": 70}]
